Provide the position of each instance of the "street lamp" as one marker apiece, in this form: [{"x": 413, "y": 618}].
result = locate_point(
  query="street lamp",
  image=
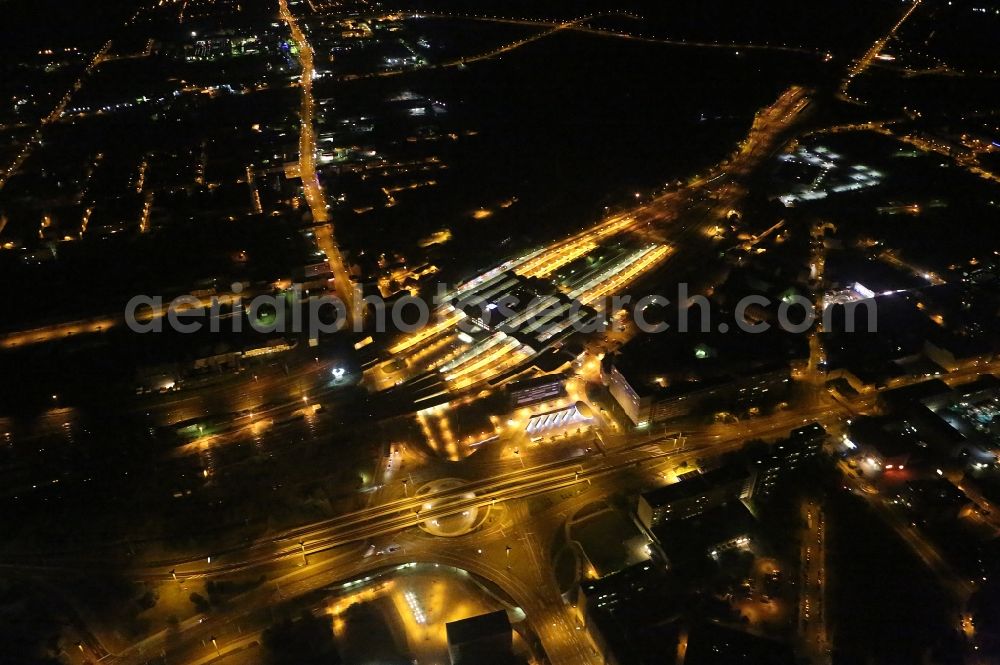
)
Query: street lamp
[
  {"x": 216, "y": 645},
  {"x": 406, "y": 490},
  {"x": 508, "y": 556}
]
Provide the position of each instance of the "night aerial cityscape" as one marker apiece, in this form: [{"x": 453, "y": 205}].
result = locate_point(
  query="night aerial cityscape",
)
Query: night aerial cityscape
[{"x": 509, "y": 332}]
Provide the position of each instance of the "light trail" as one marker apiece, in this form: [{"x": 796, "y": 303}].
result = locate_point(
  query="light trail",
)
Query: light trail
[
  {"x": 53, "y": 115},
  {"x": 577, "y": 26},
  {"x": 311, "y": 187},
  {"x": 865, "y": 61}
]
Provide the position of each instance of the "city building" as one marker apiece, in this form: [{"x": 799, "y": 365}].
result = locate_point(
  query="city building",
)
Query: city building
[
  {"x": 529, "y": 309},
  {"x": 574, "y": 416},
  {"x": 486, "y": 638},
  {"x": 901, "y": 399},
  {"x": 660, "y": 377},
  {"x": 953, "y": 352},
  {"x": 884, "y": 444},
  {"x": 826, "y": 173},
  {"x": 631, "y": 615},
  {"x": 695, "y": 495},
  {"x": 933, "y": 498},
  {"x": 608, "y": 541},
  {"x": 535, "y": 390},
  {"x": 711, "y": 644},
  {"x": 707, "y": 535},
  {"x": 647, "y": 403},
  {"x": 953, "y": 421},
  {"x": 783, "y": 458}
]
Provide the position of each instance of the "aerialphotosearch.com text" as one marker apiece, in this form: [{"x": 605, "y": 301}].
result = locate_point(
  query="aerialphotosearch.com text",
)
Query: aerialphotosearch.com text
[{"x": 293, "y": 312}]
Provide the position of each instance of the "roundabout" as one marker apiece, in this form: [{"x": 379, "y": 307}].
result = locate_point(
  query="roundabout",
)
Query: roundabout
[{"x": 450, "y": 526}]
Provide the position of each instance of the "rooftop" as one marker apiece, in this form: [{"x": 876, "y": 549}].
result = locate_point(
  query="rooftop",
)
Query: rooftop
[
  {"x": 696, "y": 485},
  {"x": 687, "y": 541},
  {"x": 478, "y": 627},
  {"x": 712, "y": 644},
  {"x": 675, "y": 361}
]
